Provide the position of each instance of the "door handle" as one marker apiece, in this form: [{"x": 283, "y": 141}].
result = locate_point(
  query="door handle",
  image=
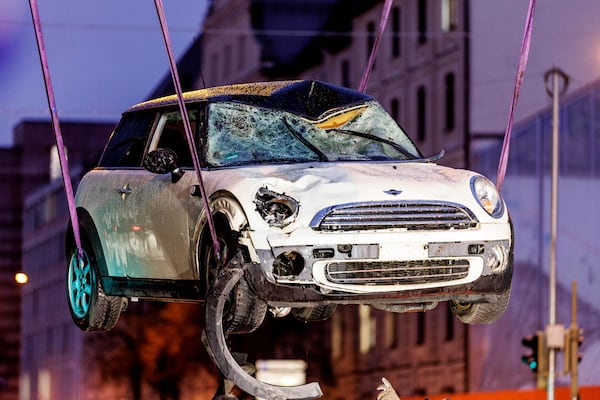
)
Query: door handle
[{"x": 124, "y": 191}]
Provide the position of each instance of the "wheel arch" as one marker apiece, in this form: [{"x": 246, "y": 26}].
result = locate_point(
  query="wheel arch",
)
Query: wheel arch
[{"x": 89, "y": 233}]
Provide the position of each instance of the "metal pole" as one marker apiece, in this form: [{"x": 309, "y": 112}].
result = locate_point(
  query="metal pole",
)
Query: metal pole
[
  {"x": 555, "y": 93},
  {"x": 573, "y": 337},
  {"x": 553, "y": 223}
]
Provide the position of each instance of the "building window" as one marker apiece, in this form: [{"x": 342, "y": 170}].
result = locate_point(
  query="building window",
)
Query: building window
[
  {"x": 450, "y": 100},
  {"x": 396, "y": 31},
  {"x": 449, "y": 15},
  {"x": 337, "y": 336},
  {"x": 422, "y": 21},
  {"x": 391, "y": 331},
  {"x": 44, "y": 385},
  {"x": 242, "y": 62},
  {"x": 420, "y": 328},
  {"x": 346, "y": 73},
  {"x": 227, "y": 63},
  {"x": 421, "y": 114},
  {"x": 449, "y": 323},
  {"x": 214, "y": 70},
  {"x": 395, "y": 110},
  {"x": 55, "y": 169},
  {"x": 367, "y": 329}
]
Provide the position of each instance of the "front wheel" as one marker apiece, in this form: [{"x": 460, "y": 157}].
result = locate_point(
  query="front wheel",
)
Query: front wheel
[
  {"x": 480, "y": 313},
  {"x": 91, "y": 309},
  {"x": 244, "y": 312}
]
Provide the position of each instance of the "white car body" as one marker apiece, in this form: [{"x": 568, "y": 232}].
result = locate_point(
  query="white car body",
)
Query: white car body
[{"x": 327, "y": 198}]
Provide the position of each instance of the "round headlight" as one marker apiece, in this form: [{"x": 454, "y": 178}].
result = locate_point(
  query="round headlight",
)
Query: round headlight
[
  {"x": 487, "y": 196},
  {"x": 276, "y": 209}
]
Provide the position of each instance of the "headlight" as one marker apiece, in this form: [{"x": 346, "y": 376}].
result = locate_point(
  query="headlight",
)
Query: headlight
[
  {"x": 276, "y": 209},
  {"x": 487, "y": 196}
]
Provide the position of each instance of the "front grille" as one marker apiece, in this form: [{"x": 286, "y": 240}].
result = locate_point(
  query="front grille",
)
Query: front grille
[
  {"x": 414, "y": 215},
  {"x": 396, "y": 272}
]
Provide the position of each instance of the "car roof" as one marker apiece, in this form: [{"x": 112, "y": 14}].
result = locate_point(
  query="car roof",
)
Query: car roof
[{"x": 303, "y": 97}]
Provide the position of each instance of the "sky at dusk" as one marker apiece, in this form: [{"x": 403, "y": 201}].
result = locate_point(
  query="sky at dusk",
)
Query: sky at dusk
[{"x": 103, "y": 56}]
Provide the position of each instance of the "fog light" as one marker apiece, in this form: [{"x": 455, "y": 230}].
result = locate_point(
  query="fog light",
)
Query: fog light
[
  {"x": 497, "y": 258},
  {"x": 288, "y": 263}
]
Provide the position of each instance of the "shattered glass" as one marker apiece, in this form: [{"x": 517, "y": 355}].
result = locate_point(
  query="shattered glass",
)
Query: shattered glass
[{"x": 241, "y": 134}]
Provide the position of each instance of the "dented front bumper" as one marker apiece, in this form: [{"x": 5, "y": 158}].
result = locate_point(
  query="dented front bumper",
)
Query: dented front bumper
[{"x": 392, "y": 267}]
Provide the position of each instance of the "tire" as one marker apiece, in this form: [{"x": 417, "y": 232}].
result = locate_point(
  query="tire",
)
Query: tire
[
  {"x": 91, "y": 309},
  {"x": 480, "y": 313},
  {"x": 244, "y": 312},
  {"x": 316, "y": 313}
]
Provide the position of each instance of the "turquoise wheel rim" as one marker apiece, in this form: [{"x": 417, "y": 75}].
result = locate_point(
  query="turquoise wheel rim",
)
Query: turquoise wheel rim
[{"x": 80, "y": 284}]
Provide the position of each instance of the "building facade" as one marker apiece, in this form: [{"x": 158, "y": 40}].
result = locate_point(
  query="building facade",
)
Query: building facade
[{"x": 32, "y": 320}]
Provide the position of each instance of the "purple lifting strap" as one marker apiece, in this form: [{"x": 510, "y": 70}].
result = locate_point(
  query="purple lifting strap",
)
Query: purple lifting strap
[
  {"x": 64, "y": 167},
  {"x": 513, "y": 105},
  {"x": 188, "y": 129},
  {"x": 382, "y": 23}
]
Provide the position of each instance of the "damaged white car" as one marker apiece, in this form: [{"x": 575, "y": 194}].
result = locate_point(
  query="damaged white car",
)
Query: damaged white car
[{"x": 326, "y": 197}]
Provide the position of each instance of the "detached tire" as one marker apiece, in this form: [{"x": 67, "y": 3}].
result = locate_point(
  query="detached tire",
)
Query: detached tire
[
  {"x": 91, "y": 309},
  {"x": 480, "y": 313},
  {"x": 244, "y": 312}
]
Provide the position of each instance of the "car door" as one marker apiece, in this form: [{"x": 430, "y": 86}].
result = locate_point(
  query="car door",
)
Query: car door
[{"x": 162, "y": 212}]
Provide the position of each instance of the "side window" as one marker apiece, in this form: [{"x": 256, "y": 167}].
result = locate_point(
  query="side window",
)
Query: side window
[
  {"x": 126, "y": 145},
  {"x": 170, "y": 134}
]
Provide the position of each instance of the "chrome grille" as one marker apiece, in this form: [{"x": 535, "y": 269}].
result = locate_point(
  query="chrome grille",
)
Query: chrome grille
[
  {"x": 396, "y": 272},
  {"x": 414, "y": 215}
]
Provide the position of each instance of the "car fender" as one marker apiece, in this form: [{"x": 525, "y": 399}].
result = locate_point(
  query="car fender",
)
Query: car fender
[
  {"x": 225, "y": 203},
  {"x": 88, "y": 230}
]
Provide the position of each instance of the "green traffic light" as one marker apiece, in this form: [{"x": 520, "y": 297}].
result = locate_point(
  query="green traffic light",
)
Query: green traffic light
[{"x": 533, "y": 364}]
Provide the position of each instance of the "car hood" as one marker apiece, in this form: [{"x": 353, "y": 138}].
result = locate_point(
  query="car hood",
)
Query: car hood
[{"x": 320, "y": 185}]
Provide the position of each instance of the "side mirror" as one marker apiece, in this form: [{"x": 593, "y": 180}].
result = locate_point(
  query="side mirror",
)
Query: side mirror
[{"x": 163, "y": 161}]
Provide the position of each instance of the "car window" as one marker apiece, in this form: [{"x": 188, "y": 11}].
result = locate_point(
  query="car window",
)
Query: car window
[
  {"x": 241, "y": 134},
  {"x": 364, "y": 132},
  {"x": 170, "y": 133},
  {"x": 126, "y": 144}
]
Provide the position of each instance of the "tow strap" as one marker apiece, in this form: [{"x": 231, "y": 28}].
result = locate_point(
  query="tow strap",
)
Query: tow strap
[
  {"x": 186, "y": 121},
  {"x": 362, "y": 87},
  {"x": 60, "y": 147},
  {"x": 503, "y": 162}
]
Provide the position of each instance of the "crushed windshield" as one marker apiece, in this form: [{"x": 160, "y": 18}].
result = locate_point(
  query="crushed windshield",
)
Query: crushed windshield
[{"x": 240, "y": 134}]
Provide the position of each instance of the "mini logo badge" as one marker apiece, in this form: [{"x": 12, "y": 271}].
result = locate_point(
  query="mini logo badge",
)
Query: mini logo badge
[{"x": 393, "y": 192}]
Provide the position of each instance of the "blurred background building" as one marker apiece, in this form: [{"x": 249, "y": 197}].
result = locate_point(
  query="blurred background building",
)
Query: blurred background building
[{"x": 441, "y": 72}]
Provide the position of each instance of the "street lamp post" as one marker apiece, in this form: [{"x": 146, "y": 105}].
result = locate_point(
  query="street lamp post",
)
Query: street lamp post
[{"x": 554, "y": 91}]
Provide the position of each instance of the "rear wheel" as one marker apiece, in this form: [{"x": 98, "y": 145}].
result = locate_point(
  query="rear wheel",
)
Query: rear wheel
[
  {"x": 244, "y": 312},
  {"x": 480, "y": 313},
  {"x": 91, "y": 309}
]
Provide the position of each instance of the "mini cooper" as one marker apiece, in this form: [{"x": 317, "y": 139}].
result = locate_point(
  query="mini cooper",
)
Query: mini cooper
[{"x": 317, "y": 187}]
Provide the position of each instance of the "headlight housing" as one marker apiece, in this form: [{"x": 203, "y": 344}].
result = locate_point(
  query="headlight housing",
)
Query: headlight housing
[
  {"x": 276, "y": 209},
  {"x": 487, "y": 196}
]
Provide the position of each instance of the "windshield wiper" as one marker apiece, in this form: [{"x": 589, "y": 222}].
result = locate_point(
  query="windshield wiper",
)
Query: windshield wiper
[
  {"x": 312, "y": 147},
  {"x": 395, "y": 145}
]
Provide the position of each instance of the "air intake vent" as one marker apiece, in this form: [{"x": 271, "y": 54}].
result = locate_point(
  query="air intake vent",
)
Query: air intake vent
[{"x": 396, "y": 272}]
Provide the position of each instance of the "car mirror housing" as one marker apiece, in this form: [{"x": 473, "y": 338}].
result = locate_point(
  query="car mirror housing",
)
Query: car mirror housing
[{"x": 163, "y": 161}]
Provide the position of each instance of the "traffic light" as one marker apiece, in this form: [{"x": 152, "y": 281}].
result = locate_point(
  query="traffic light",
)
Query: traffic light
[
  {"x": 573, "y": 342},
  {"x": 537, "y": 357},
  {"x": 531, "y": 359}
]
